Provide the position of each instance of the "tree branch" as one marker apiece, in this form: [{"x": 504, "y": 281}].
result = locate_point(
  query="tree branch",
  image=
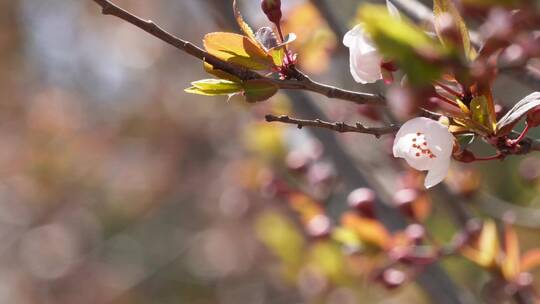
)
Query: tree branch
[
  {"x": 304, "y": 83},
  {"x": 335, "y": 126}
]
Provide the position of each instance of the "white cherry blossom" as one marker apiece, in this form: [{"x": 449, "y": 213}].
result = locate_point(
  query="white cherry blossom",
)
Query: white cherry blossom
[
  {"x": 426, "y": 145},
  {"x": 365, "y": 60}
]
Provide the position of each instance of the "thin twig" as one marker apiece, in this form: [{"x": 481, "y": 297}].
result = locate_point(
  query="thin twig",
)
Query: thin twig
[
  {"x": 109, "y": 8},
  {"x": 335, "y": 126}
]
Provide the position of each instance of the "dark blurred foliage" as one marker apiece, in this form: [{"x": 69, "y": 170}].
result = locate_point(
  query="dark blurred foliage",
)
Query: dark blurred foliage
[{"x": 118, "y": 187}]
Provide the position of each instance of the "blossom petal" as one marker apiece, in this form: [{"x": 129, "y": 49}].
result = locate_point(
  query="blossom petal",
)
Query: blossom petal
[
  {"x": 426, "y": 145},
  {"x": 437, "y": 174},
  {"x": 350, "y": 37},
  {"x": 364, "y": 59},
  {"x": 365, "y": 68}
]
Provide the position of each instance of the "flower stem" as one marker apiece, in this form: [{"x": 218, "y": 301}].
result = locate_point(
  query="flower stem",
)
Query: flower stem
[
  {"x": 521, "y": 136},
  {"x": 493, "y": 157},
  {"x": 282, "y": 38}
]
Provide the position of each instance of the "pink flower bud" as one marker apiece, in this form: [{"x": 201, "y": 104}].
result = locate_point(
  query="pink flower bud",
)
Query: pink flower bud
[
  {"x": 416, "y": 233},
  {"x": 392, "y": 278},
  {"x": 272, "y": 9},
  {"x": 362, "y": 199},
  {"x": 404, "y": 200}
]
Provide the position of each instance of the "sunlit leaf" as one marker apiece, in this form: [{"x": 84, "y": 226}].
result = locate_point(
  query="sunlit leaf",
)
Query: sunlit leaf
[
  {"x": 219, "y": 73},
  {"x": 511, "y": 263},
  {"x": 442, "y": 8},
  {"x": 259, "y": 90},
  {"x": 530, "y": 260},
  {"x": 278, "y": 54},
  {"x": 214, "y": 87},
  {"x": 482, "y": 114},
  {"x": 347, "y": 237},
  {"x": 403, "y": 41},
  {"x": 368, "y": 230},
  {"x": 237, "y": 49},
  {"x": 486, "y": 249},
  {"x": 329, "y": 259},
  {"x": 520, "y": 109}
]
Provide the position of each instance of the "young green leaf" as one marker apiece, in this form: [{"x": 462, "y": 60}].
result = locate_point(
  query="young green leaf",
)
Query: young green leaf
[
  {"x": 219, "y": 73},
  {"x": 481, "y": 113},
  {"x": 259, "y": 90},
  {"x": 238, "y": 49},
  {"x": 214, "y": 87}
]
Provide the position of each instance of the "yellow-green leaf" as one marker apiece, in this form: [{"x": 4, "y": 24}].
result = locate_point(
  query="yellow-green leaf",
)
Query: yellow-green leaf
[
  {"x": 259, "y": 90},
  {"x": 487, "y": 247},
  {"x": 214, "y": 87},
  {"x": 482, "y": 114},
  {"x": 443, "y": 8},
  {"x": 278, "y": 54},
  {"x": 237, "y": 49},
  {"x": 220, "y": 73},
  {"x": 329, "y": 259}
]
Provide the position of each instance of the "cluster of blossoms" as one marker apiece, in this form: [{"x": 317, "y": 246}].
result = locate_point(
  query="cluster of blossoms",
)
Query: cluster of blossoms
[{"x": 425, "y": 144}]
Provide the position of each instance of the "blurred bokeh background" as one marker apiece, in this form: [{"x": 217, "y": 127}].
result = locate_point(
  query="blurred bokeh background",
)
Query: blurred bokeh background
[{"x": 118, "y": 187}]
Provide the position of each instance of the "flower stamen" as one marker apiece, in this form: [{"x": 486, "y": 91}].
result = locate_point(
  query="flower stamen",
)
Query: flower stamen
[{"x": 420, "y": 151}]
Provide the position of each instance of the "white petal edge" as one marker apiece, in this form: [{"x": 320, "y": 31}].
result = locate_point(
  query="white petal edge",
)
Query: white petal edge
[
  {"x": 437, "y": 174},
  {"x": 350, "y": 36}
]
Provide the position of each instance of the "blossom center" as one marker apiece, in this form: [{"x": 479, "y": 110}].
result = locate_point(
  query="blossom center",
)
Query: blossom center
[{"x": 420, "y": 146}]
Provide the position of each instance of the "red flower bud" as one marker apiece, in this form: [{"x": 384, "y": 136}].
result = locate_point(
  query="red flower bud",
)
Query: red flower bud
[{"x": 272, "y": 9}]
